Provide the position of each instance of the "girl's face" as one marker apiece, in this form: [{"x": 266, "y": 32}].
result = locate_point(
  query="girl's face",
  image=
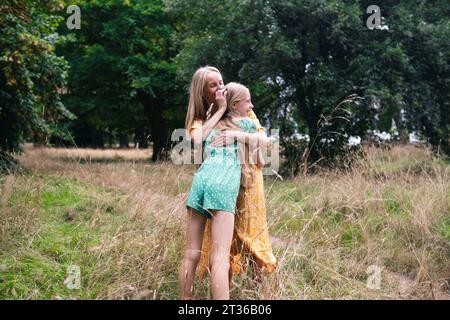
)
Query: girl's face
[
  {"x": 214, "y": 83},
  {"x": 242, "y": 107}
]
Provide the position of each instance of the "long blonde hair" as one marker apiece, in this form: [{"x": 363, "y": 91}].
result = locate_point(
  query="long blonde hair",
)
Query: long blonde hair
[
  {"x": 197, "y": 103},
  {"x": 237, "y": 92}
]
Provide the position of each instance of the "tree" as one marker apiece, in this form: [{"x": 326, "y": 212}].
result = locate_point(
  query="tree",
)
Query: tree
[
  {"x": 293, "y": 54},
  {"x": 122, "y": 78},
  {"x": 426, "y": 33},
  {"x": 411, "y": 70},
  {"x": 31, "y": 74},
  {"x": 302, "y": 57}
]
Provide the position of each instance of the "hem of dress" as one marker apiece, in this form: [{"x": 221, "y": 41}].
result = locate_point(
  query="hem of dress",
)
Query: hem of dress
[{"x": 205, "y": 213}]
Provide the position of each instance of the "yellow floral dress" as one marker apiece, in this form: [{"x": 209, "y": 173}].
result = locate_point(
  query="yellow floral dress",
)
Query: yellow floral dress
[{"x": 251, "y": 235}]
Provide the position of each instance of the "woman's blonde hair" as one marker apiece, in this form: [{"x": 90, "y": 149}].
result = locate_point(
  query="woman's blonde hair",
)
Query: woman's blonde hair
[
  {"x": 197, "y": 103},
  {"x": 238, "y": 92}
]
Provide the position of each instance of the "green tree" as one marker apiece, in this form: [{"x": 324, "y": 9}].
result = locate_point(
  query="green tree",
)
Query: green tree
[
  {"x": 294, "y": 55},
  {"x": 122, "y": 77},
  {"x": 302, "y": 57},
  {"x": 410, "y": 73},
  {"x": 31, "y": 74}
]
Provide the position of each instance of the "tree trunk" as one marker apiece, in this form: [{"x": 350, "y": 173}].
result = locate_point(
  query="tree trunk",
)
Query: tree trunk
[
  {"x": 158, "y": 135},
  {"x": 110, "y": 136},
  {"x": 124, "y": 141},
  {"x": 98, "y": 138},
  {"x": 141, "y": 137}
]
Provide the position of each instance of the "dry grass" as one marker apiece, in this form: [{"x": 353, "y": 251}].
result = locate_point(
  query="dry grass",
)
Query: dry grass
[
  {"x": 99, "y": 154},
  {"x": 121, "y": 220}
]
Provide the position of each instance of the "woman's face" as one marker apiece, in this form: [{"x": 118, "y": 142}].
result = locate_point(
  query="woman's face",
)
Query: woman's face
[
  {"x": 214, "y": 83},
  {"x": 242, "y": 107}
]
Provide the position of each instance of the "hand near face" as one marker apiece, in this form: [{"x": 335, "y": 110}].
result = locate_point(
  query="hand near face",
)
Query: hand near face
[{"x": 221, "y": 99}]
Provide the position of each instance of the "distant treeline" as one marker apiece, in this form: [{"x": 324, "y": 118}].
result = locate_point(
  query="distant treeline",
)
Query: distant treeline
[{"x": 313, "y": 67}]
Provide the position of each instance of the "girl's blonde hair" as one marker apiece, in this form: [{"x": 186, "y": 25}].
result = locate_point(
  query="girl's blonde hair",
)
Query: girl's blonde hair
[
  {"x": 237, "y": 92},
  {"x": 197, "y": 103}
]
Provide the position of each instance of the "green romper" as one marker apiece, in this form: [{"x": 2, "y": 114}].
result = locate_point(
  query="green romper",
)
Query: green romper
[{"x": 216, "y": 183}]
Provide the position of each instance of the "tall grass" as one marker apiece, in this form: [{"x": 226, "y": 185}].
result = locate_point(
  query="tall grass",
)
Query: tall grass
[{"x": 121, "y": 220}]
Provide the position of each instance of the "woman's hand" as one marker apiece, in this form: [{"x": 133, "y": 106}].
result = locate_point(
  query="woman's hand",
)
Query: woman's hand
[
  {"x": 212, "y": 120},
  {"x": 226, "y": 138},
  {"x": 221, "y": 99}
]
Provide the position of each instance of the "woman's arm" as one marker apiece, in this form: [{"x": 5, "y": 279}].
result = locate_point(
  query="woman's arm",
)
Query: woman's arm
[
  {"x": 200, "y": 134},
  {"x": 230, "y": 136},
  {"x": 251, "y": 138}
]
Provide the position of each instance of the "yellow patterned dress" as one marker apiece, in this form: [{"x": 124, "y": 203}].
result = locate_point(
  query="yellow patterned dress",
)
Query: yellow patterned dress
[{"x": 251, "y": 240}]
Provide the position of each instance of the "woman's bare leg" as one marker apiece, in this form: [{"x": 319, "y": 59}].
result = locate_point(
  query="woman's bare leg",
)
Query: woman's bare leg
[
  {"x": 222, "y": 227},
  {"x": 194, "y": 236}
]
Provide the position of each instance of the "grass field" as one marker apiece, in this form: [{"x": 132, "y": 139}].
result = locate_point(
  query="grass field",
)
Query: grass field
[{"x": 120, "y": 220}]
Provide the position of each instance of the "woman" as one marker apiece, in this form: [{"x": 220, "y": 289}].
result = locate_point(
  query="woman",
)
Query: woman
[{"x": 207, "y": 91}]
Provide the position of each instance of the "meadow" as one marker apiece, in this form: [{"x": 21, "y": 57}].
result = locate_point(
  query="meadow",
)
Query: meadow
[{"x": 380, "y": 231}]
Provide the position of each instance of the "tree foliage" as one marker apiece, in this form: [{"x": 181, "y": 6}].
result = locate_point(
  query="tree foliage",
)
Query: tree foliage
[
  {"x": 31, "y": 74},
  {"x": 315, "y": 70},
  {"x": 122, "y": 79},
  {"x": 302, "y": 57}
]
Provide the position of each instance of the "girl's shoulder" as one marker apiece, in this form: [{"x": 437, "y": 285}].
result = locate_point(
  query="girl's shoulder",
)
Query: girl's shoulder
[
  {"x": 242, "y": 120},
  {"x": 247, "y": 124},
  {"x": 253, "y": 116}
]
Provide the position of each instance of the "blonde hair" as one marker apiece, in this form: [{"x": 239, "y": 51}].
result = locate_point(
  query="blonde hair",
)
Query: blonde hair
[
  {"x": 197, "y": 102},
  {"x": 238, "y": 92},
  {"x": 235, "y": 93}
]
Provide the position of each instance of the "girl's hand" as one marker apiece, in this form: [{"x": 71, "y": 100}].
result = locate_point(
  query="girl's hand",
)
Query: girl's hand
[
  {"x": 226, "y": 138},
  {"x": 221, "y": 99}
]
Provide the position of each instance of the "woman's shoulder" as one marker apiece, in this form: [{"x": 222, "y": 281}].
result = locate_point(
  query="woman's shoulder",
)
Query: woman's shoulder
[
  {"x": 252, "y": 115},
  {"x": 196, "y": 123}
]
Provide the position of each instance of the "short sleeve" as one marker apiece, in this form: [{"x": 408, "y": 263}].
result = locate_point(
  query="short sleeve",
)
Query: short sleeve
[
  {"x": 196, "y": 124},
  {"x": 252, "y": 116}
]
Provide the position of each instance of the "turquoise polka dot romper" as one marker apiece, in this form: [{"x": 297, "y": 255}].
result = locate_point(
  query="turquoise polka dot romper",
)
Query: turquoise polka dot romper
[{"x": 215, "y": 185}]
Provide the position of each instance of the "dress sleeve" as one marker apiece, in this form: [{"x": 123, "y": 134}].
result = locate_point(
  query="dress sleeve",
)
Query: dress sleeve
[
  {"x": 196, "y": 124},
  {"x": 252, "y": 116}
]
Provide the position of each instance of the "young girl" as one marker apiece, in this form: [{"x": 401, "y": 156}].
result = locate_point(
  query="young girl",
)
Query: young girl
[{"x": 216, "y": 185}]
